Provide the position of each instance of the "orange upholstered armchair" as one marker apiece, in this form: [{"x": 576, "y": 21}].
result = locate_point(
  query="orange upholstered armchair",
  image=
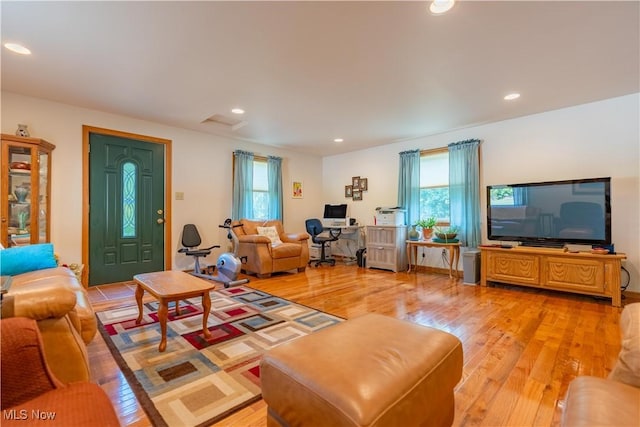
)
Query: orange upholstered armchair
[
  {"x": 269, "y": 249},
  {"x": 31, "y": 394}
]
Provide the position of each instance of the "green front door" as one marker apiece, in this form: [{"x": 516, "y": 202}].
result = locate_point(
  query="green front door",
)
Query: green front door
[{"x": 126, "y": 208}]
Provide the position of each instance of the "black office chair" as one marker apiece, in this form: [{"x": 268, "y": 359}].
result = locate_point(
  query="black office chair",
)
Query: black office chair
[
  {"x": 314, "y": 227},
  {"x": 191, "y": 241}
]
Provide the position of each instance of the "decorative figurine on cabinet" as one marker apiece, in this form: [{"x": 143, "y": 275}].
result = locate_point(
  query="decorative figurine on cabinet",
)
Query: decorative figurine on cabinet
[{"x": 22, "y": 131}]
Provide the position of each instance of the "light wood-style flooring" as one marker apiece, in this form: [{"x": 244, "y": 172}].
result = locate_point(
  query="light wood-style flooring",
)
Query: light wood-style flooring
[{"x": 522, "y": 346}]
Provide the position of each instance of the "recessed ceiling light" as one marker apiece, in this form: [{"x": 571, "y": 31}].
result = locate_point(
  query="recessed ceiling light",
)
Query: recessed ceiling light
[
  {"x": 237, "y": 111},
  {"x": 17, "y": 48},
  {"x": 439, "y": 7},
  {"x": 338, "y": 140},
  {"x": 512, "y": 96}
]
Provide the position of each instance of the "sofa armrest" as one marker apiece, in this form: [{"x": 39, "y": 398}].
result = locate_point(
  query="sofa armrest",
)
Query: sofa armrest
[
  {"x": 39, "y": 300},
  {"x": 254, "y": 238},
  {"x": 294, "y": 237}
]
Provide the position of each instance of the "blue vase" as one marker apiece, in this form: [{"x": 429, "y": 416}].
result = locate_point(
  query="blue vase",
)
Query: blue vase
[
  {"x": 413, "y": 233},
  {"x": 21, "y": 194}
]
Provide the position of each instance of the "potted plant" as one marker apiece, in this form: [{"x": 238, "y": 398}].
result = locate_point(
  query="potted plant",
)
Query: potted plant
[
  {"x": 427, "y": 226},
  {"x": 448, "y": 233}
]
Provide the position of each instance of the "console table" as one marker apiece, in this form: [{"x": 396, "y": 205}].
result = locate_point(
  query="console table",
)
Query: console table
[
  {"x": 454, "y": 252},
  {"x": 554, "y": 269}
]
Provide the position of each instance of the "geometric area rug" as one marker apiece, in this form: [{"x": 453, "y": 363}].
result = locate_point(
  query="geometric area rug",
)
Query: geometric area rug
[{"x": 198, "y": 381}]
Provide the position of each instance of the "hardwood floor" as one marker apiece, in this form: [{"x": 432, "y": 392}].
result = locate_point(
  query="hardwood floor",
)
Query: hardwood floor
[{"x": 522, "y": 346}]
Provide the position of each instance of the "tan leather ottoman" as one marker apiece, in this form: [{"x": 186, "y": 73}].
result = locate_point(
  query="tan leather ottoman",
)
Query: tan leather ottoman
[{"x": 369, "y": 371}]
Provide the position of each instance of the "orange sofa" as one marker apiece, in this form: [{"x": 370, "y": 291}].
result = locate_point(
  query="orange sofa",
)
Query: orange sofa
[
  {"x": 31, "y": 393},
  {"x": 60, "y": 305},
  {"x": 614, "y": 401}
]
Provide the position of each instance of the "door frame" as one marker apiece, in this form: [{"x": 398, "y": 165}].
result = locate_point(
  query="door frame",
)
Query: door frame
[{"x": 86, "y": 131}]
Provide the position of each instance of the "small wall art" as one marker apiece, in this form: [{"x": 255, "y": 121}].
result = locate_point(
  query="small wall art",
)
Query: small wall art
[
  {"x": 297, "y": 190},
  {"x": 348, "y": 191},
  {"x": 364, "y": 184},
  {"x": 355, "y": 181}
]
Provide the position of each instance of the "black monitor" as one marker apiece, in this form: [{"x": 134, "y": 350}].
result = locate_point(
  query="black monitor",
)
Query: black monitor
[
  {"x": 335, "y": 211},
  {"x": 551, "y": 213}
]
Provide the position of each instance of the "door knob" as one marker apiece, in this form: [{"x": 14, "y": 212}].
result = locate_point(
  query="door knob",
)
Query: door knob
[{"x": 160, "y": 220}]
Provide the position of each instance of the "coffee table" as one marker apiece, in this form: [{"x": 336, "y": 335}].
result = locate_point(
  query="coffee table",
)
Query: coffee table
[{"x": 167, "y": 286}]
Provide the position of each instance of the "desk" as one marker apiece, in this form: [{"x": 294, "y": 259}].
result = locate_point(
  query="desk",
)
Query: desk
[
  {"x": 454, "y": 252},
  {"x": 350, "y": 239}
]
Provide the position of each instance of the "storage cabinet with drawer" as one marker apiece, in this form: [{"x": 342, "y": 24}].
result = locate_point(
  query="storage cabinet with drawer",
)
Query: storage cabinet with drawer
[{"x": 386, "y": 247}]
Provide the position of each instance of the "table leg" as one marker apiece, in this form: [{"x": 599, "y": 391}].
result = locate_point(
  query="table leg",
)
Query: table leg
[
  {"x": 206, "y": 307},
  {"x": 177, "y": 302},
  {"x": 457, "y": 257},
  {"x": 163, "y": 309},
  {"x": 409, "y": 255},
  {"x": 139, "y": 294},
  {"x": 451, "y": 256}
]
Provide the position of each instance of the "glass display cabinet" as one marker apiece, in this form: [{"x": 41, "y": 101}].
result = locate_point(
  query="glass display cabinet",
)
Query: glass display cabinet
[{"x": 25, "y": 191}]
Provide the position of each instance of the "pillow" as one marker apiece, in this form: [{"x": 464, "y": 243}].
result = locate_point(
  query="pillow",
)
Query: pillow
[
  {"x": 22, "y": 259},
  {"x": 271, "y": 233}
]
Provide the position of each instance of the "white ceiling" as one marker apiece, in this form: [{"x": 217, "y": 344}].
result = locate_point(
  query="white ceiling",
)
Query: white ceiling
[{"x": 307, "y": 72}]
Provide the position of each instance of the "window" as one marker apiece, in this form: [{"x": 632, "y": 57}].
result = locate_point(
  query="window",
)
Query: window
[
  {"x": 257, "y": 186},
  {"x": 434, "y": 185},
  {"x": 260, "y": 189}
]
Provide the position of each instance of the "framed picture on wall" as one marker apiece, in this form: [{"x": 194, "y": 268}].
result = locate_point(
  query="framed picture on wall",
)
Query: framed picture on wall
[
  {"x": 348, "y": 191},
  {"x": 296, "y": 188},
  {"x": 355, "y": 181},
  {"x": 357, "y": 194},
  {"x": 364, "y": 184}
]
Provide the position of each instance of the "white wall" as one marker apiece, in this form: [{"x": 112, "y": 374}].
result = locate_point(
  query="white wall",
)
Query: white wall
[
  {"x": 202, "y": 169},
  {"x": 591, "y": 140}
]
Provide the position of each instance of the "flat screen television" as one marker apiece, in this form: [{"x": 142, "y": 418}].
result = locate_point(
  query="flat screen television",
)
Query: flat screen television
[{"x": 551, "y": 213}]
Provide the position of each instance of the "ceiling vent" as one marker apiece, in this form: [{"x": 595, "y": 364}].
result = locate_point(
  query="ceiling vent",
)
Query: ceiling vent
[{"x": 229, "y": 122}]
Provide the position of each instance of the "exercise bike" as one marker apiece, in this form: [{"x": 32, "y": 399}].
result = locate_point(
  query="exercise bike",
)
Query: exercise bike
[{"x": 228, "y": 265}]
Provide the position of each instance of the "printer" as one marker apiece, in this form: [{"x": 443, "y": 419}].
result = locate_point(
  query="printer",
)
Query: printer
[{"x": 390, "y": 216}]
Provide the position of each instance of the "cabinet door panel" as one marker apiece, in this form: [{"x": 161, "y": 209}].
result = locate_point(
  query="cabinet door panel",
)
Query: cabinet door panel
[
  {"x": 514, "y": 268},
  {"x": 575, "y": 274},
  {"x": 381, "y": 257},
  {"x": 381, "y": 236}
]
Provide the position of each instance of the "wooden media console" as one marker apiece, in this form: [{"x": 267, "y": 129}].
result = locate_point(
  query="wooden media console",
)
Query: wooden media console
[{"x": 554, "y": 269}]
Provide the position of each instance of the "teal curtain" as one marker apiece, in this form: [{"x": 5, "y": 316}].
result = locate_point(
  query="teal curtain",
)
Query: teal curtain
[
  {"x": 464, "y": 190},
  {"x": 242, "y": 206},
  {"x": 409, "y": 185},
  {"x": 274, "y": 175}
]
